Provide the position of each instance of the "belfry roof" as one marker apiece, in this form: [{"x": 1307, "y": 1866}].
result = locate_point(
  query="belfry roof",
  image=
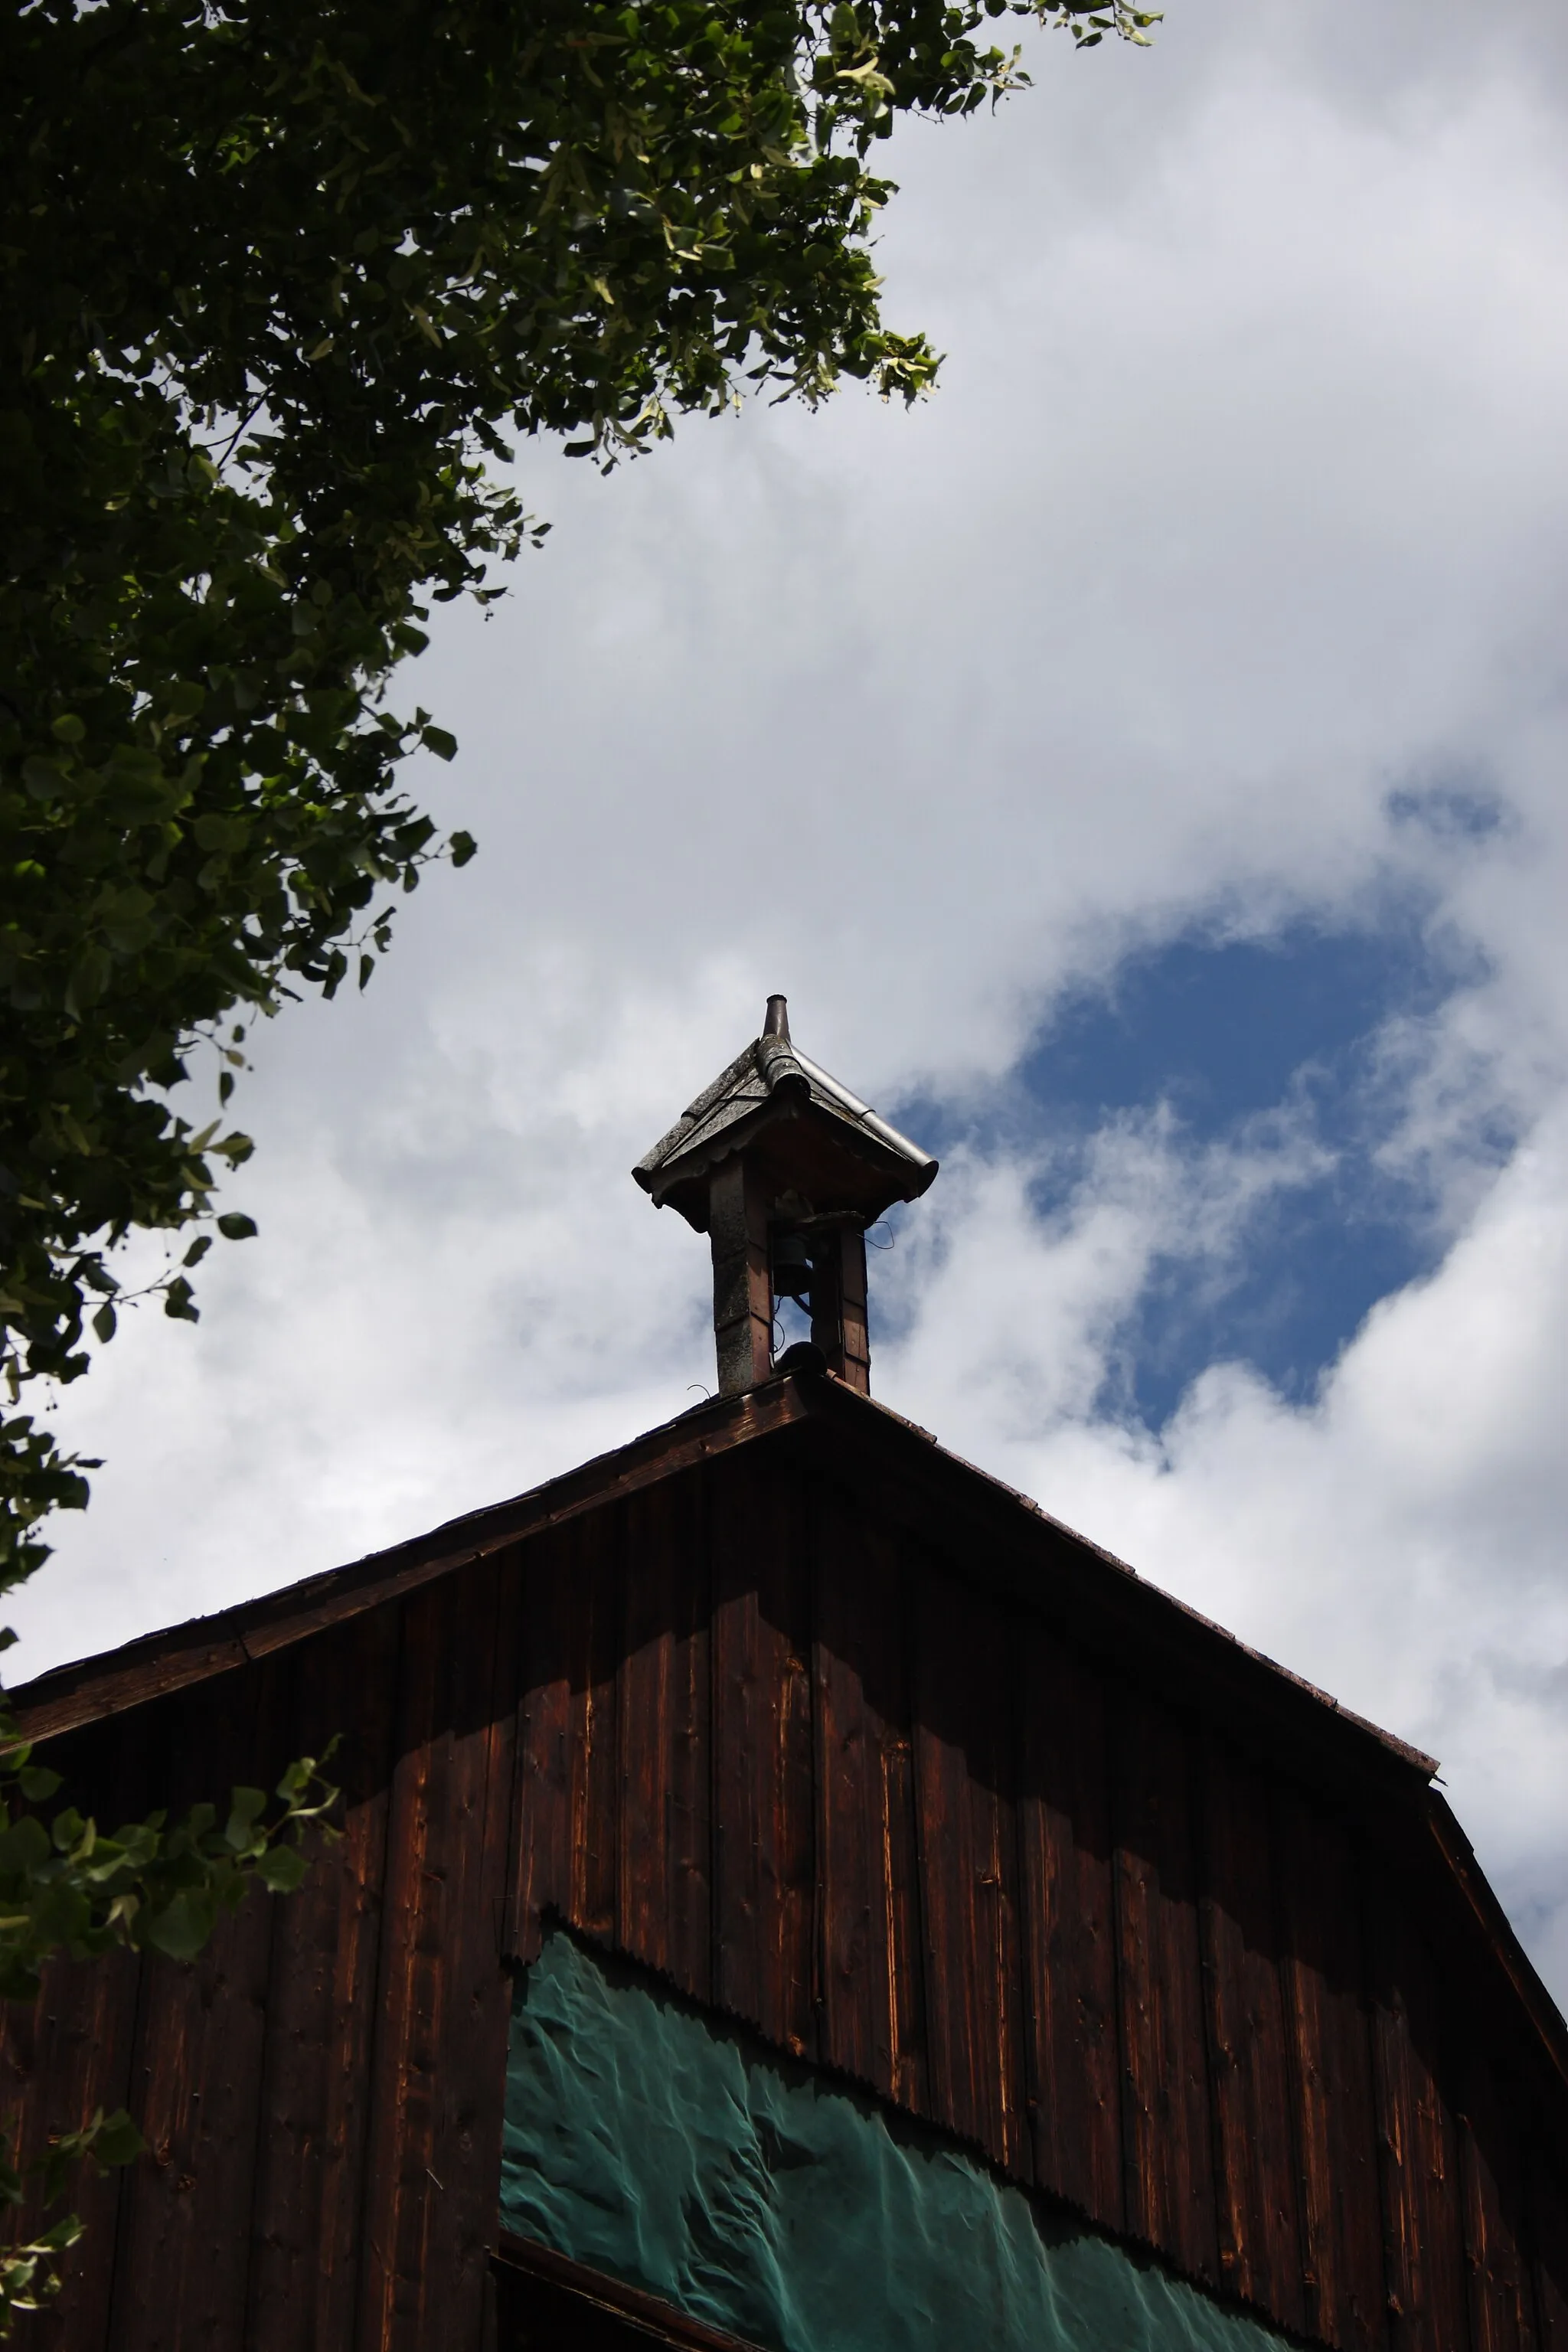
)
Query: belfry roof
[{"x": 771, "y": 1079}]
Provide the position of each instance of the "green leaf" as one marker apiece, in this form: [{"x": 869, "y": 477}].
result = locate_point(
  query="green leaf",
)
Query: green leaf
[
  {"x": 235, "y": 1226},
  {"x": 246, "y": 1808},
  {"x": 198, "y": 1250},
  {"x": 24, "y": 1847},
  {"x": 298, "y": 1775},
  {"x": 462, "y": 847},
  {"x": 61, "y": 2235},
  {"x": 105, "y": 1322},
  {"x": 182, "y": 1928},
  {"x": 281, "y": 1868},
  {"x": 437, "y": 740},
  {"x": 117, "y": 2140},
  {"x": 44, "y": 779}
]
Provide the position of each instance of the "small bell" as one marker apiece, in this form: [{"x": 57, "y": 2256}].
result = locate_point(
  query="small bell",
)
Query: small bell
[{"x": 792, "y": 1268}]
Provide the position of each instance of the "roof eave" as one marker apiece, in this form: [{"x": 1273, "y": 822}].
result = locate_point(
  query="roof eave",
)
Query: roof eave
[{"x": 904, "y": 1177}]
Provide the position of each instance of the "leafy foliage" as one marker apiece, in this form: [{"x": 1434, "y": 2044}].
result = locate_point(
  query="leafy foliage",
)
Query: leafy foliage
[
  {"x": 29, "y": 2268},
  {"x": 67, "y": 1887},
  {"x": 64, "y": 1887},
  {"x": 275, "y": 284}
]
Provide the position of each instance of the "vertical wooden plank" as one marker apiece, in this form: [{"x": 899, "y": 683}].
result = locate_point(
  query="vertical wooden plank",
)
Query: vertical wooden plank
[
  {"x": 1548, "y": 2246},
  {"x": 1257, "y": 2156},
  {"x": 439, "y": 2058},
  {"x": 541, "y": 1861},
  {"x": 968, "y": 1850},
  {"x": 1492, "y": 2182},
  {"x": 1423, "y": 2246},
  {"x": 304, "y": 2273},
  {"x": 871, "y": 1981},
  {"x": 403, "y": 2057},
  {"x": 1327, "y": 2021},
  {"x": 70, "y": 2051},
  {"x": 66, "y": 2057},
  {"x": 663, "y": 1717},
  {"x": 566, "y": 1844},
  {"x": 763, "y": 1832},
  {"x": 183, "y": 2244},
  {"x": 1069, "y": 1929},
  {"x": 1166, "y": 2135},
  {"x": 594, "y": 1557},
  {"x": 466, "y": 2160}
]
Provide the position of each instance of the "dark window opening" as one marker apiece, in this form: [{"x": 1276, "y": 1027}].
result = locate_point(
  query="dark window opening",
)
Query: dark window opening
[{"x": 546, "y": 2303}]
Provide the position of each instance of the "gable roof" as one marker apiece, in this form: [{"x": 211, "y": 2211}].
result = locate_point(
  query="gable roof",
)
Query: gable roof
[
  {"x": 995, "y": 1539},
  {"x": 1107, "y": 1599}
]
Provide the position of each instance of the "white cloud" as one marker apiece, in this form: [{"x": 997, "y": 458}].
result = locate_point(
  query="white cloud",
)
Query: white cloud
[{"x": 1245, "y": 505}]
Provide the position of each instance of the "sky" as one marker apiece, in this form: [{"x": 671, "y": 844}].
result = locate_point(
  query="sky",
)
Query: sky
[{"x": 1143, "y": 768}]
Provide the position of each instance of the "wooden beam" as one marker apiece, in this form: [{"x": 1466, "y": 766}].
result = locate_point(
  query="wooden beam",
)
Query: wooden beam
[
  {"x": 839, "y": 1317},
  {"x": 743, "y": 1285},
  {"x": 534, "y": 2282}
]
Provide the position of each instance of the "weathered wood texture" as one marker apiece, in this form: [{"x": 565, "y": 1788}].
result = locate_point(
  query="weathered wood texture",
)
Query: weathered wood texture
[
  {"x": 869, "y": 1986},
  {"x": 321, "y": 2091},
  {"x": 1027, "y": 1897},
  {"x": 1068, "y": 1906},
  {"x": 766, "y": 1737}
]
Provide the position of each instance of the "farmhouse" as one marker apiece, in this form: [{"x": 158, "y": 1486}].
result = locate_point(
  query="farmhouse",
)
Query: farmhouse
[{"x": 795, "y": 1893}]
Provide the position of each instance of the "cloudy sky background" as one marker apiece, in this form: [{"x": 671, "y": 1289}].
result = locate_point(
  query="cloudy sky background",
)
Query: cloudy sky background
[{"x": 1143, "y": 769}]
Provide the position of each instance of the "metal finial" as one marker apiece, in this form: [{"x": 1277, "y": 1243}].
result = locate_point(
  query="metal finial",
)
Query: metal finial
[{"x": 777, "y": 1021}]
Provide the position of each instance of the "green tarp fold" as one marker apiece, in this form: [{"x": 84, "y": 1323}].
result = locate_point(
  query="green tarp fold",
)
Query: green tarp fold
[{"x": 652, "y": 2142}]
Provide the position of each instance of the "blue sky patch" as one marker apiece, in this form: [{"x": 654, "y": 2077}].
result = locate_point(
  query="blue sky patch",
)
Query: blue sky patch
[{"x": 1225, "y": 1033}]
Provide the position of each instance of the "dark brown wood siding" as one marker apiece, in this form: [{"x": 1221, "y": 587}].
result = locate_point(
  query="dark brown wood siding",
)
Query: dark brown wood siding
[{"x": 768, "y": 1737}]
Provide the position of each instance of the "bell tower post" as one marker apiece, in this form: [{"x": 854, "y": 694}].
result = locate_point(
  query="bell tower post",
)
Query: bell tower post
[
  {"x": 743, "y": 1276},
  {"x": 784, "y": 1170},
  {"x": 840, "y": 1324}
]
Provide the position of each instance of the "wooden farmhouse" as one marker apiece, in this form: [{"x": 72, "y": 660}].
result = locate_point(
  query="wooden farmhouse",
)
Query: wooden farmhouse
[{"x": 794, "y": 1893}]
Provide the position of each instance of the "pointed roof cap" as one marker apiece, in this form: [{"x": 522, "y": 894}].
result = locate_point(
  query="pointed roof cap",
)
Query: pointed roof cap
[{"x": 841, "y": 1145}]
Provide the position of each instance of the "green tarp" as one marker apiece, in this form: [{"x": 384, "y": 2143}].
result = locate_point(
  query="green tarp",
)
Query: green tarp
[{"x": 650, "y": 2141}]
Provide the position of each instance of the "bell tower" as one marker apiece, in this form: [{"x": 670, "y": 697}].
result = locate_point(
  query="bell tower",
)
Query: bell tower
[{"x": 784, "y": 1170}]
